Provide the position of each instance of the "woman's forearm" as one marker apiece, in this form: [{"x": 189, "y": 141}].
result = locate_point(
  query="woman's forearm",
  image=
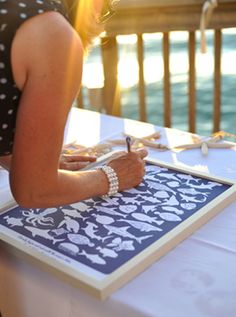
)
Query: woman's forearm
[
  {"x": 42, "y": 188},
  {"x": 68, "y": 187}
]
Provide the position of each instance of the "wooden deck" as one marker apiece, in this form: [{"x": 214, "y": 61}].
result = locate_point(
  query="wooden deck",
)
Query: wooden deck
[{"x": 149, "y": 16}]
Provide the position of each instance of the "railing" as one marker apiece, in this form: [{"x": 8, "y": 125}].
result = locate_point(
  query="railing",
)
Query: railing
[{"x": 148, "y": 16}]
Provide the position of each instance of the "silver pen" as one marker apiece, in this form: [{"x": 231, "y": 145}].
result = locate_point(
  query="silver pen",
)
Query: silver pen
[{"x": 128, "y": 142}]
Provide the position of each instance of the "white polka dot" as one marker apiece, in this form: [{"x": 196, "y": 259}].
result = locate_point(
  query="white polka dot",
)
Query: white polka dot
[
  {"x": 39, "y": 1},
  {"x": 2, "y": 47},
  {"x": 10, "y": 111},
  {"x": 23, "y": 16},
  {"x": 14, "y": 97},
  {"x": 21, "y": 4},
  {"x": 4, "y": 126},
  {"x": 3, "y": 11},
  {"x": 2, "y": 0},
  {"x": 3, "y": 26},
  {"x": 2, "y": 96},
  {"x": 1, "y": 138},
  {"x": 2, "y": 65},
  {"x": 40, "y": 11},
  {"x": 3, "y": 80}
]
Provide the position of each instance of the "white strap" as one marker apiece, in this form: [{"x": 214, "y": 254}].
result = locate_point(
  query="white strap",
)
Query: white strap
[{"x": 207, "y": 9}]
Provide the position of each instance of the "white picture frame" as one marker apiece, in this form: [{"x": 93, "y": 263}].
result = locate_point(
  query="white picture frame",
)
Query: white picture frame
[{"x": 117, "y": 230}]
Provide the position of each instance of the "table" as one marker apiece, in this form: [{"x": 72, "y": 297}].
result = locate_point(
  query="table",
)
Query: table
[{"x": 197, "y": 278}]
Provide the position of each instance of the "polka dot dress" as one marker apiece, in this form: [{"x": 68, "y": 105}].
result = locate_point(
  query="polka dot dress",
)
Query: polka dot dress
[{"x": 12, "y": 14}]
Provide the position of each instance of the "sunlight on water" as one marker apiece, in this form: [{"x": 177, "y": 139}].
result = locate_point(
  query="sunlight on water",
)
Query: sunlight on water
[
  {"x": 128, "y": 77},
  {"x": 153, "y": 62}
]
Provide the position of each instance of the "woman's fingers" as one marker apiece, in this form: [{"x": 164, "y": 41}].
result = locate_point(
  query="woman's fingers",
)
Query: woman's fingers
[
  {"x": 142, "y": 152},
  {"x": 78, "y": 158},
  {"x": 73, "y": 166},
  {"x": 75, "y": 162}
]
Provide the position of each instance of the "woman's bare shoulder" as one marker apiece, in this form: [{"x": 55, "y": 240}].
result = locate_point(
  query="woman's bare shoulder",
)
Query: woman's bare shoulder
[{"x": 45, "y": 40}]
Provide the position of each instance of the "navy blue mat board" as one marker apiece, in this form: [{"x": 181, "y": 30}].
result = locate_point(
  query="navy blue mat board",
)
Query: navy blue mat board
[{"x": 103, "y": 234}]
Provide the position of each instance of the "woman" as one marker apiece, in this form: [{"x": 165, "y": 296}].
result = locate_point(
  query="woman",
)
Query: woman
[{"x": 41, "y": 57}]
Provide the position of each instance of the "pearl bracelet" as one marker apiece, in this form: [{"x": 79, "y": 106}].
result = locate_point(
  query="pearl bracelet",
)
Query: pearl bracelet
[{"x": 112, "y": 179}]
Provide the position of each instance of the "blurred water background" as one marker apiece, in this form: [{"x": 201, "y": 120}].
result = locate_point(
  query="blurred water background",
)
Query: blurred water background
[{"x": 153, "y": 67}]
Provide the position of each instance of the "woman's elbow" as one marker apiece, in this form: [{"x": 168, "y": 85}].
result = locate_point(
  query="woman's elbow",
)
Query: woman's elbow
[
  {"x": 27, "y": 195},
  {"x": 24, "y": 198}
]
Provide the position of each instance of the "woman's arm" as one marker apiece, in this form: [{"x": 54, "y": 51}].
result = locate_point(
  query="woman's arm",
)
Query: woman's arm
[
  {"x": 47, "y": 64},
  {"x": 67, "y": 162}
]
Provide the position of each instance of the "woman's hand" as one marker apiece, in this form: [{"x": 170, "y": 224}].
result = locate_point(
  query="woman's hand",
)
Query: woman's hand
[
  {"x": 130, "y": 168},
  {"x": 75, "y": 162}
]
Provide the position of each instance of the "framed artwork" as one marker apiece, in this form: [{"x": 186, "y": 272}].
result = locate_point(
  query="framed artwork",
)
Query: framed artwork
[{"x": 100, "y": 244}]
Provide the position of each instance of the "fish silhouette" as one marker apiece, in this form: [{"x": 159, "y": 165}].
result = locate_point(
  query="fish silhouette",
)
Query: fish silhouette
[
  {"x": 107, "y": 252},
  {"x": 94, "y": 258},
  {"x": 172, "y": 201},
  {"x": 168, "y": 216},
  {"x": 58, "y": 231},
  {"x": 71, "y": 224},
  {"x": 80, "y": 206},
  {"x": 69, "y": 248},
  {"x": 187, "y": 178},
  {"x": 122, "y": 231},
  {"x": 146, "y": 218},
  {"x": 188, "y": 206},
  {"x": 36, "y": 232},
  {"x": 133, "y": 200},
  {"x": 168, "y": 176},
  {"x": 127, "y": 208},
  {"x": 157, "y": 186},
  {"x": 109, "y": 211},
  {"x": 209, "y": 185},
  {"x": 192, "y": 191},
  {"x": 173, "y": 209},
  {"x": 142, "y": 226},
  {"x": 79, "y": 239},
  {"x": 192, "y": 199},
  {"x": 104, "y": 220},
  {"x": 14, "y": 222},
  {"x": 161, "y": 194},
  {"x": 119, "y": 245},
  {"x": 151, "y": 199},
  {"x": 90, "y": 231},
  {"x": 72, "y": 213}
]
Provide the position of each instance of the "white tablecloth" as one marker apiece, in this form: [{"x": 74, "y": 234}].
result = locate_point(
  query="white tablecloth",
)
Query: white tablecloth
[{"x": 197, "y": 278}]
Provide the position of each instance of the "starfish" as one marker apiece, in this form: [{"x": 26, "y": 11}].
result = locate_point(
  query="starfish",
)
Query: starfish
[
  {"x": 136, "y": 142},
  {"x": 206, "y": 143}
]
